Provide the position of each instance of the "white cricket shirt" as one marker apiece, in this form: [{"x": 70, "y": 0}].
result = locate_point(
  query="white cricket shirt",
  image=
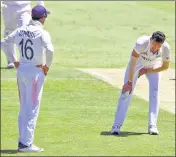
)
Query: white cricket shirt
[
  {"x": 147, "y": 58},
  {"x": 31, "y": 41}
]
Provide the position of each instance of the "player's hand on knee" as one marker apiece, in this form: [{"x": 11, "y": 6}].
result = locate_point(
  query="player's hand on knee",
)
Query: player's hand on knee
[
  {"x": 142, "y": 72},
  {"x": 16, "y": 64},
  {"x": 127, "y": 87}
]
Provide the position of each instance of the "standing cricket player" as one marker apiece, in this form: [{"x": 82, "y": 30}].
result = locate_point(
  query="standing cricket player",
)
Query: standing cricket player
[
  {"x": 15, "y": 14},
  {"x": 143, "y": 61},
  {"x": 31, "y": 40}
]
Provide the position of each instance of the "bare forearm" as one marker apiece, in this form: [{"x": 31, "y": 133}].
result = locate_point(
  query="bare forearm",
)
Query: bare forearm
[
  {"x": 132, "y": 69},
  {"x": 162, "y": 68},
  {"x": 131, "y": 73}
]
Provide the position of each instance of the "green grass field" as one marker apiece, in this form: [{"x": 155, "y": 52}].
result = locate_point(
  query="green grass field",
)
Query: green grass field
[{"x": 77, "y": 110}]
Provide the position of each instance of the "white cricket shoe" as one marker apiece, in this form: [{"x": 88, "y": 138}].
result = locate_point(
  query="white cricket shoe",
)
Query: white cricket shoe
[
  {"x": 152, "y": 130},
  {"x": 10, "y": 65},
  {"x": 31, "y": 148},
  {"x": 115, "y": 130}
]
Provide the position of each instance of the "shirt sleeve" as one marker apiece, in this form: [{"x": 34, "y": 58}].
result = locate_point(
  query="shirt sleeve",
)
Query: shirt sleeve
[
  {"x": 40, "y": 3},
  {"x": 48, "y": 47},
  {"x": 5, "y": 42},
  {"x": 166, "y": 53},
  {"x": 139, "y": 46}
]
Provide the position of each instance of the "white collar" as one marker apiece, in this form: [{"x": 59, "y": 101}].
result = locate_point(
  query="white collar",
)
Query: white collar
[{"x": 35, "y": 23}]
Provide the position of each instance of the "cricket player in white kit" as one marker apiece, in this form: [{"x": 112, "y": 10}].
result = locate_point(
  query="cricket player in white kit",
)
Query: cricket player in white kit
[
  {"x": 143, "y": 60},
  {"x": 31, "y": 41},
  {"x": 15, "y": 14}
]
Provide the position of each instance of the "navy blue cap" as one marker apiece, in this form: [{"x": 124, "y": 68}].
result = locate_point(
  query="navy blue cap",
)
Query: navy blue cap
[{"x": 39, "y": 11}]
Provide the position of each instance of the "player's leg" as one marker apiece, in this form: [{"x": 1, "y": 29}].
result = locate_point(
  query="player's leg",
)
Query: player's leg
[
  {"x": 33, "y": 96},
  {"x": 153, "y": 79},
  {"x": 24, "y": 16},
  {"x": 21, "y": 82},
  {"x": 10, "y": 25},
  {"x": 123, "y": 104}
]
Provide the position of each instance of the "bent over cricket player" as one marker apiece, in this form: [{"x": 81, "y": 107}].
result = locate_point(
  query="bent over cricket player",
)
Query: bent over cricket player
[
  {"x": 143, "y": 61},
  {"x": 31, "y": 70},
  {"x": 15, "y": 14}
]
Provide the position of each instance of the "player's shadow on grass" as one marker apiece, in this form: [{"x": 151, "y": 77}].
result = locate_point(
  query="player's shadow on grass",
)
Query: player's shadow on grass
[
  {"x": 6, "y": 68},
  {"x": 122, "y": 133},
  {"x": 3, "y": 68},
  {"x": 8, "y": 151}
]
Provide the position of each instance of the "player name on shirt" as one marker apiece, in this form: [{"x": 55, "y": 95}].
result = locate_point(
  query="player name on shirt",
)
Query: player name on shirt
[
  {"x": 26, "y": 34},
  {"x": 145, "y": 56}
]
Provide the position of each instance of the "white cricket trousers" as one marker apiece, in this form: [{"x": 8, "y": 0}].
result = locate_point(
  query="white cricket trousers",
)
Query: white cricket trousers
[
  {"x": 14, "y": 17},
  {"x": 30, "y": 81},
  {"x": 123, "y": 103}
]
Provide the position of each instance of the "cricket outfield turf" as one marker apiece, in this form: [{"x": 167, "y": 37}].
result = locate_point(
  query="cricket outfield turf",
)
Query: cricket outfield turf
[{"x": 77, "y": 109}]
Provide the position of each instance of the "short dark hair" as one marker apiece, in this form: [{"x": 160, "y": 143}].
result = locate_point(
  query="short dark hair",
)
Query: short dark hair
[
  {"x": 158, "y": 37},
  {"x": 36, "y": 18}
]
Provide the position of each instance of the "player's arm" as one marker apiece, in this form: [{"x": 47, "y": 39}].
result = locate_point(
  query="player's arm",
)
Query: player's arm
[
  {"x": 132, "y": 67},
  {"x": 40, "y": 3},
  {"x": 49, "y": 51},
  {"x": 164, "y": 66},
  {"x": 5, "y": 42},
  {"x": 138, "y": 48}
]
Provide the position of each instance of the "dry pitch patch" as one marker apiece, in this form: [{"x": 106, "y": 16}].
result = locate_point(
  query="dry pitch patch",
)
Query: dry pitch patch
[{"x": 166, "y": 91}]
